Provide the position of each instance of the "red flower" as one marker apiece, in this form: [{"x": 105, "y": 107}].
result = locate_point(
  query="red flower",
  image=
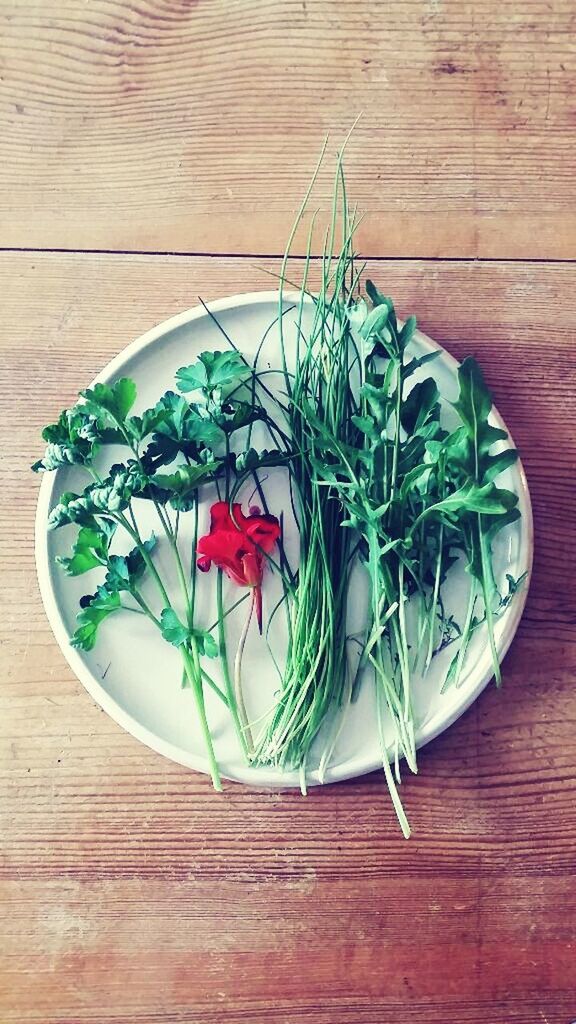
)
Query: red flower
[{"x": 238, "y": 545}]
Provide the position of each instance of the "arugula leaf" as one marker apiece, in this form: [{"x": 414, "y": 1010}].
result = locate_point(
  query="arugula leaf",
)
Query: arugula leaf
[
  {"x": 212, "y": 370},
  {"x": 421, "y": 405},
  {"x": 416, "y": 475},
  {"x": 493, "y": 465},
  {"x": 414, "y": 364},
  {"x": 95, "y": 608},
  {"x": 486, "y": 499},
  {"x": 375, "y": 322},
  {"x": 90, "y": 549}
]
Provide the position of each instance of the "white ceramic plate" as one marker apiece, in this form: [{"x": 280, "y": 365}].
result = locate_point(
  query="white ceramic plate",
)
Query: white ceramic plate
[{"x": 135, "y": 676}]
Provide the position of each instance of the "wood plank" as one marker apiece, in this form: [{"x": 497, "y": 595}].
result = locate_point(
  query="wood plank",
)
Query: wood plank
[
  {"x": 132, "y": 892},
  {"x": 189, "y": 126}
]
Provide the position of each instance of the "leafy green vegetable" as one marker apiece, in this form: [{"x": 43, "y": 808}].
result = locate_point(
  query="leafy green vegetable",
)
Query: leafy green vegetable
[
  {"x": 113, "y": 401},
  {"x": 212, "y": 370},
  {"x": 173, "y": 630},
  {"x": 125, "y": 571},
  {"x": 182, "y": 484},
  {"x": 177, "y": 634},
  {"x": 90, "y": 549},
  {"x": 74, "y": 439},
  {"x": 95, "y": 608},
  {"x": 375, "y": 478}
]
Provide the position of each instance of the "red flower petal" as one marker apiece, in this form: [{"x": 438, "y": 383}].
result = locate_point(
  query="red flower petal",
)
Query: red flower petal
[
  {"x": 264, "y": 531},
  {"x": 252, "y": 568},
  {"x": 236, "y": 544}
]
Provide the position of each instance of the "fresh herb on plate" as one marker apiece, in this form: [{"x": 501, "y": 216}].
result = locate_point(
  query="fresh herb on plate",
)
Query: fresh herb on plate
[{"x": 379, "y": 483}]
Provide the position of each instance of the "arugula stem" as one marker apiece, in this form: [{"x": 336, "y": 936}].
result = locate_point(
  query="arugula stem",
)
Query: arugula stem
[
  {"x": 392, "y": 787},
  {"x": 466, "y": 633},
  {"x": 434, "y": 602},
  {"x": 487, "y": 594}
]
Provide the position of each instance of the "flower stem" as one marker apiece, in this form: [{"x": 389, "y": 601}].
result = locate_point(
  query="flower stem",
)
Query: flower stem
[
  {"x": 245, "y": 726},
  {"x": 229, "y": 687}
]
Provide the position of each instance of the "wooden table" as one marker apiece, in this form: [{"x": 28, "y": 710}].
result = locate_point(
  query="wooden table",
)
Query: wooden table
[{"x": 155, "y": 150}]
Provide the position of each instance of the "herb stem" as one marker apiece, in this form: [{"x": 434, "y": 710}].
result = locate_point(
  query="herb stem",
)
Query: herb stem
[
  {"x": 193, "y": 671},
  {"x": 223, "y": 650}
]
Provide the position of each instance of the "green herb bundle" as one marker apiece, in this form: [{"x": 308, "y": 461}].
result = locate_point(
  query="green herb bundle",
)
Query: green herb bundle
[
  {"x": 171, "y": 451},
  {"x": 376, "y": 480}
]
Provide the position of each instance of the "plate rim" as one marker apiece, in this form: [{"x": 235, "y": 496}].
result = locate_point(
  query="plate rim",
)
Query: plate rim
[{"x": 266, "y": 777}]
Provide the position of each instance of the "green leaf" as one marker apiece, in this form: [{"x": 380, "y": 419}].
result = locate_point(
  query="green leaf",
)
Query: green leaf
[
  {"x": 232, "y": 416},
  {"x": 375, "y": 322},
  {"x": 124, "y": 571},
  {"x": 415, "y": 476},
  {"x": 71, "y": 508},
  {"x": 90, "y": 549},
  {"x": 95, "y": 608},
  {"x": 207, "y": 645},
  {"x": 174, "y": 631},
  {"x": 366, "y": 426},
  {"x": 379, "y": 403},
  {"x": 420, "y": 405},
  {"x": 414, "y": 364},
  {"x": 73, "y": 440},
  {"x": 212, "y": 370},
  {"x": 170, "y": 432},
  {"x": 251, "y": 460},
  {"x": 493, "y": 465},
  {"x": 116, "y": 491},
  {"x": 204, "y": 431},
  {"x": 154, "y": 418},
  {"x": 474, "y": 401},
  {"x": 184, "y": 482},
  {"x": 114, "y": 401},
  {"x": 487, "y": 500},
  {"x": 376, "y": 297},
  {"x": 407, "y": 332}
]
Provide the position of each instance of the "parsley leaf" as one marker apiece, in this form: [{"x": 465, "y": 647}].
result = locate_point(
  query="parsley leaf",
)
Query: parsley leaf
[
  {"x": 124, "y": 571},
  {"x": 112, "y": 401},
  {"x": 212, "y": 370},
  {"x": 95, "y": 608},
  {"x": 90, "y": 549}
]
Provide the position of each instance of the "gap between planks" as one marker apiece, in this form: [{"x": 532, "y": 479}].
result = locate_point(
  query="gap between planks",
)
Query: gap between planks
[{"x": 279, "y": 255}]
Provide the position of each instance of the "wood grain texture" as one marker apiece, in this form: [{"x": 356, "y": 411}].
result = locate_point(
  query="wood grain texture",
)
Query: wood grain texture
[
  {"x": 131, "y": 893},
  {"x": 193, "y": 125}
]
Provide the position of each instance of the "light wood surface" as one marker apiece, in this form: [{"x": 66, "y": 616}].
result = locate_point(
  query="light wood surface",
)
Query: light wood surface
[
  {"x": 193, "y": 125},
  {"x": 132, "y": 893},
  {"x": 153, "y": 130}
]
